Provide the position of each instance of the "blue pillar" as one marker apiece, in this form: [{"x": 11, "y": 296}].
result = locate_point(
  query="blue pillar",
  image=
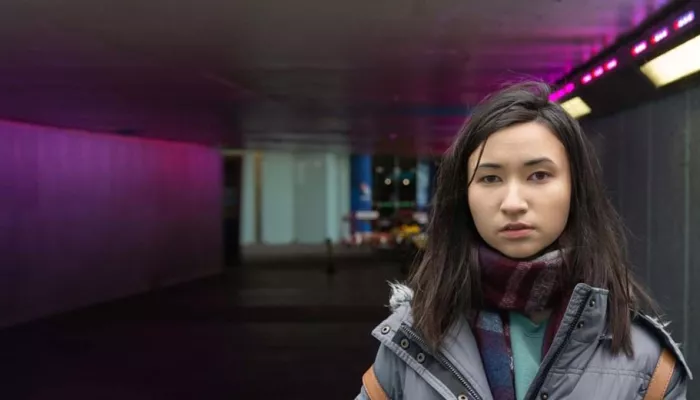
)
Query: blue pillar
[
  {"x": 433, "y": 177},
  {"x": 361, "y": 189},
  {"x": 425, "y": 171}
]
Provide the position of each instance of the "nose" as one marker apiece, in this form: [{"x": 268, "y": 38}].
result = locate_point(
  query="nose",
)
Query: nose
[{"x": 514, "y": 202}]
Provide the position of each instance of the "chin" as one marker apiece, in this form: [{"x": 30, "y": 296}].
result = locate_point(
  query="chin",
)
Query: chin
[{"x": 520, "y": 250}]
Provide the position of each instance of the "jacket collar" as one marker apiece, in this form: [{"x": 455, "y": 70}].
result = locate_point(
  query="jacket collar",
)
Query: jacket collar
[
  {"x": 595, "y": 311},
  {"x": 583, "y": 321}
]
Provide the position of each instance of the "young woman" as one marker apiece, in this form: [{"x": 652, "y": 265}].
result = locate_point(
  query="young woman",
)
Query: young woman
[{"x": 524, "y": 290}]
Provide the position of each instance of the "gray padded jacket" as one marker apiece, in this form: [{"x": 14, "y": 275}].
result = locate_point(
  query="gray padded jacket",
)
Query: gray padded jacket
[{"x": 579, "y": 364}]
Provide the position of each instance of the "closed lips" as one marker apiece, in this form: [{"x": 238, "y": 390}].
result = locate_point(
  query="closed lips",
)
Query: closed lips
[{"x": 516, "y": 227}]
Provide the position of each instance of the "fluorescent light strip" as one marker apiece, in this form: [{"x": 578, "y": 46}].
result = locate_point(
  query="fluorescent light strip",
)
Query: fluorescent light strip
[
  {"x": 675, "y": 64},
  {"x": 576, "y": 107}
]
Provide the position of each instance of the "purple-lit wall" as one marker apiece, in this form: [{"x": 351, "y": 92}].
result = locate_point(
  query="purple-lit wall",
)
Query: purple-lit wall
[{"x": 87, "y": 217}]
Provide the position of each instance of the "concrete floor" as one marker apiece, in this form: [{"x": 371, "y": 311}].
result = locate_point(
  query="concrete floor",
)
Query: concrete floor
[{"x": 266, "y": 329}]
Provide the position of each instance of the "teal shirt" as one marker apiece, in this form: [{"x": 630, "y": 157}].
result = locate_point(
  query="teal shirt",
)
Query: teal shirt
[{"x": 526, "y": 340}]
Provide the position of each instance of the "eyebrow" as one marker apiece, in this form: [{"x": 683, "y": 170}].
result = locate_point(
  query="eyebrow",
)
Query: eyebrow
[{"x": 528, "y": 163}]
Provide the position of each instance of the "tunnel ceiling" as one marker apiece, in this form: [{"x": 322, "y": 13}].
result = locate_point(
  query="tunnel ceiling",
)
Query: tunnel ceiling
[{"x": 380, "y": 75}]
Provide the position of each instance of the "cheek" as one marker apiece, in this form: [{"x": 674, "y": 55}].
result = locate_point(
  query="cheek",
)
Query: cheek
[
  {"x": 473, "y": 202},
  {"x": 557, "y": 205},
  {"x": 478, "y": 206}
]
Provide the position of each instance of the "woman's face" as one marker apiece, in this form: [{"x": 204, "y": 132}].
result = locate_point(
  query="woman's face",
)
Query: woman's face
[{"x": 521, "y": 191}]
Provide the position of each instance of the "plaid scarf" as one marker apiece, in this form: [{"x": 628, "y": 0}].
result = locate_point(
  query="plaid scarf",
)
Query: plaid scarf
[{"x": 512, "y": 285}]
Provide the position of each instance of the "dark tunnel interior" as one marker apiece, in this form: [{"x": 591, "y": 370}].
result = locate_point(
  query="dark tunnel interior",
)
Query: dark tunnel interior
[{"x": 209, "y": 200}]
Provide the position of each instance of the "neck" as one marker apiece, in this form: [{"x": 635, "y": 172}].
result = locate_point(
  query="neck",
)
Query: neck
[{"x": 538, "y": 317}]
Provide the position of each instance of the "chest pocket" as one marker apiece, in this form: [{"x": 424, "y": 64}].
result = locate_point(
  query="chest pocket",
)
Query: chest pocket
[{"x": 601, "y": 384}]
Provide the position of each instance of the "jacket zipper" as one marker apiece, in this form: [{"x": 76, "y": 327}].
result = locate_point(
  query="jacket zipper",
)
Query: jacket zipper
[
  {"x": 545, "y": 371},
  {"x": 445, "y": 363}
]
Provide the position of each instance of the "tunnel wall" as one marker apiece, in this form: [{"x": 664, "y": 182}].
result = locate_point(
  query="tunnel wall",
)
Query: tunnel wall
[
  {"x": 86, "y": 218},
  {"x": 651, "y": 164}
]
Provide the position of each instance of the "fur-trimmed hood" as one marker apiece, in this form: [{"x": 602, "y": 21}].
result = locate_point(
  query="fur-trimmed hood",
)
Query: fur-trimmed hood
[{"x": 400, "y": 295}]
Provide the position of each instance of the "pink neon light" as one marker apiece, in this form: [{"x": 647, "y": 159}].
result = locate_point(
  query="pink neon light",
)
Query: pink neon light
[
  {"x": 611, "y": 64},
  {"x": 586, "y": 78},
  {"x": 640, "y": 47},
  {"x": 563, "y": 91},
  {"x": 684, "y": 20},
  {"x": 660, "y": 35},
  {"x": 598, "y": 72}
]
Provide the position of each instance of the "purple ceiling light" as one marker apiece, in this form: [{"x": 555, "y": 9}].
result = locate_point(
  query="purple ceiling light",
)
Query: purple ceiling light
[
  {"x": 611, "y": 64},
  {"x": 684, "y": 20},
  {"x": 638, "y": 48},
  {"x": 566, "y": 89},
  {"x": 659, "y": 36}
]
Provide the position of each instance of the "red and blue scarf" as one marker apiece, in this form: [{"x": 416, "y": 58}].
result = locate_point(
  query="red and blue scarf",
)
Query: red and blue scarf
[{"x": 520, "y": 286}]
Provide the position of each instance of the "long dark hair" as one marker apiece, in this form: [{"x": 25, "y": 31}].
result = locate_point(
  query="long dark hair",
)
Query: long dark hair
[{"x": 446, "y": 281}]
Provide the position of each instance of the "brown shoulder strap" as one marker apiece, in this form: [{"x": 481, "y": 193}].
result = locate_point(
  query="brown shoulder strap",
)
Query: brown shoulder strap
[
  {"x": 661, "y": 377},
  {"x": 372, "y": 386}
]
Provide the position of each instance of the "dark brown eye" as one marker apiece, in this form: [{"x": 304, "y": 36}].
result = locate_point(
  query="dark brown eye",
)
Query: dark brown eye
[
  {"x": 540, "y": 176},
  {"x": 490, "y": 179}
]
